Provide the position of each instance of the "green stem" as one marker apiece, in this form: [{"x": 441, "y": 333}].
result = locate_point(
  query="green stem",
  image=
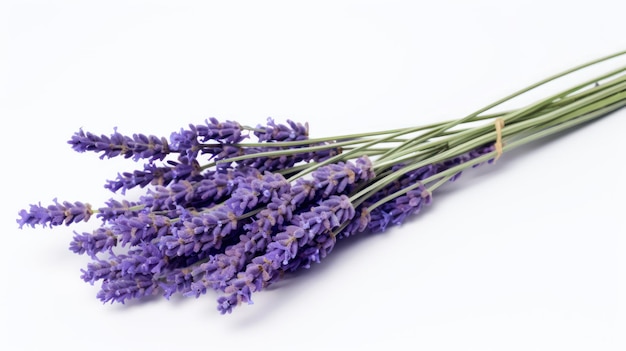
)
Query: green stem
[
  {"x": 507, "y": 147},
  {"x": 477, "y": 141},
  {"x": 512, "y": 96},
  {"x": 481, "y": 135}
]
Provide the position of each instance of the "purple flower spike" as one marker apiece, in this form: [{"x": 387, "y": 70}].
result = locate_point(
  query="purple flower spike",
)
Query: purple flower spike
[
  {"x": 227, "y": 132},
  {"x": 261, "y": 272},
  {"x": 102, "y": 239},
  {"x": 145, "y": 260},
  {"x": 225, "y": 304},
  {"x": 260, "y": 190},
  {"x": 318, "y": 248},
  {"x": 142, "y": 228},
  {"x": 288, "y": 242},
  {"x": 156, "y": 175},
  {"x": 270, "y": 134},
  {"x": 199, "y": 233},
  {"x": 218, "y": 186},
  {"x": 138, "y": 146},
  {"x": 335, "y": 178},
  {"x": 278, "y": 211},
  {"x": 120, "y": 290},
  {"x": 99, "y": 270},
  {"x": 222, "y": 267},
  {"x": 115, "y": 208},
  {"x": 280, "y": 132},
  {"x": 54, "y": 215},
  {"x": 186, "y": 142},
  {"x": 213, "y": 188},
  {"x": 397, "y": 211},
  {"x": 302, "y": 191},
  {"x": 330, "y": 214},
  {"x": 151, "y": 174},
  {"x": 176, "y": 280}
]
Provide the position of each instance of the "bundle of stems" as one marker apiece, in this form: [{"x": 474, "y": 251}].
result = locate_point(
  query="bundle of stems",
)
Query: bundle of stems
[{"x": 235, "y": 216}]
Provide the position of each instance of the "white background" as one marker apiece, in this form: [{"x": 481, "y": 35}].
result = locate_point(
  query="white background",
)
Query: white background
[{"x": 526, "y": 254}]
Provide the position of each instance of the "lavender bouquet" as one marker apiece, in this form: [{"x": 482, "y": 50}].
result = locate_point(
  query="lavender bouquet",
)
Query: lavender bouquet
[{"x": 236, "y": 208}]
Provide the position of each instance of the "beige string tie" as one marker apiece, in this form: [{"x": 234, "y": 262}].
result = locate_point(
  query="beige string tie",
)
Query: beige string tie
[{"x": 499, "y": 122}]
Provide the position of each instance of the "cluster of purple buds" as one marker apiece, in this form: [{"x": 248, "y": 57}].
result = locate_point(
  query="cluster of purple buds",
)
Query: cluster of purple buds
[
  {"x": 137, "y": 146},
  {"x": 208, "y": 223}
]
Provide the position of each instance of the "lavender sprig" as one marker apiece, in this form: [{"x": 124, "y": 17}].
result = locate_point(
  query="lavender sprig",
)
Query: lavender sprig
[
  {"x": 137, "y": 146},
  {"x": 55, "y": 214},
  {"x": 280, "y": 132}
]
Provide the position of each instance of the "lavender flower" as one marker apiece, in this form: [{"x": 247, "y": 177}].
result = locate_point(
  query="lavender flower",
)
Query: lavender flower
[
  {"x": 335, "y": 178},
  {"x": 151, "y": 174},
  {"x": 331, "y": 180},
  {"x": 115, "y": 208},
  {"x": 302, "y": 191},
  {"x": 196, "y": 233},
  {"x": 189, "y": 142},
  {"x": 145, "y": 260},
  {"x": 120, "y": 290},
  {"x": 259, "y": 273},
  {"x": 136, "y": 146},
  {"x": 175, "y": 280},
  {"x": 226, "y": 132},
  {"x": 271, "y": 134},
  {"x": 317, "y": 249},
  {"x": 199, "y": 232},
  {"x": 186, "y": 142},
  {"x": 222, "y": 267},
  {"x": 211, "y": 189},
  {"x": 258, "y": 191},
  {"x": 280, "y": 132},
  {"x": 56, "y": 214},
  {"x": 141, "y": 228},
  {"x": 396, "y": 211},
  {"x": 98, "y": 270},
  {"x": 102, "y": 239},
  {"x": 184, "y": 168}
]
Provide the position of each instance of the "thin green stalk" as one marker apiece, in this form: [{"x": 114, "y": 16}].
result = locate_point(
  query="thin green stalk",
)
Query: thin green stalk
[
  {"x": 339, "y": 157},
  {"x": 335, "y": 138},
  {"x": 512, "y": 96},
  {"x": 286, "y": 152},
  {"x": 482, "y": 140},
  {"x": 481, "y": 135},
  {"x": 529, "y": 110},
  {"x": 506, "y": 147},
  {"x": 598, "y": 105}
]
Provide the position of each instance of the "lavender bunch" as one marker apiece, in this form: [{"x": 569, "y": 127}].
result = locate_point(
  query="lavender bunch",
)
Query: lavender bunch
[{"x": 233, "y": 209}]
